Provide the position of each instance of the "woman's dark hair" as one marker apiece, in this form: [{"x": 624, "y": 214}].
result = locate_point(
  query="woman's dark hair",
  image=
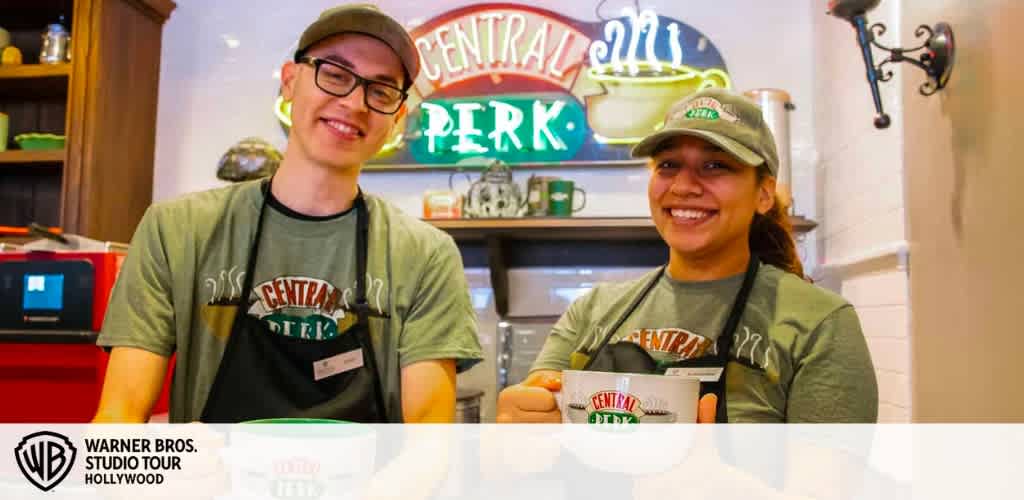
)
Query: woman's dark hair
[{"x": 771, "y": 235}]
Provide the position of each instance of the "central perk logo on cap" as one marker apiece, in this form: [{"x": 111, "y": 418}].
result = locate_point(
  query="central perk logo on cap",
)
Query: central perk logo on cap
[{"x": 708, "y": 108}]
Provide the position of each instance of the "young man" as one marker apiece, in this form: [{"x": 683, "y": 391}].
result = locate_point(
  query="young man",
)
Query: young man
[{"x": 299, "y": 296}]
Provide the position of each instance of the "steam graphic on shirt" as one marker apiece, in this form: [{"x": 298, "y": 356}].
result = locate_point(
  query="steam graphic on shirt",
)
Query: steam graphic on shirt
[{"x": 293, "y": 306}]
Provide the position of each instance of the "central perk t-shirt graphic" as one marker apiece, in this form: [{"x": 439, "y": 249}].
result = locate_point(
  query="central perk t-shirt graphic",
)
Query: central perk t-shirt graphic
[
  {"x": 294, "y": 306},
  {"x": 303, "y": 307},
  {"x": 670, "y": 344}
]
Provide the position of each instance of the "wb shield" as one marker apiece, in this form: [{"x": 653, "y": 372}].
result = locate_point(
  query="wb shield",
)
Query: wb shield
[{"x": 45, "y": 458}]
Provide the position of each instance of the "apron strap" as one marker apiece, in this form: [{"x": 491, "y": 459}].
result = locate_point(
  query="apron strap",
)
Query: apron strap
[
  {"x": 725, "y": 340},
  {"x": 254, "y": 249},
  {"x": 362, "y": 306}
]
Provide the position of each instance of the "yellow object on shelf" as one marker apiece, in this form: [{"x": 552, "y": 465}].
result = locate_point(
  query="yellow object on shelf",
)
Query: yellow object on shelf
[{"x": 10, "y": 56}]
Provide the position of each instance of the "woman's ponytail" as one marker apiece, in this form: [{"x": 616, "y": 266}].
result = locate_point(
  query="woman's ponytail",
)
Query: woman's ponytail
[{"x": 771, "y": 237}]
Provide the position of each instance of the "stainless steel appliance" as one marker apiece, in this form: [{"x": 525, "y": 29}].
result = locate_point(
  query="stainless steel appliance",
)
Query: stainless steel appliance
[{"x": 519, "y": 342}]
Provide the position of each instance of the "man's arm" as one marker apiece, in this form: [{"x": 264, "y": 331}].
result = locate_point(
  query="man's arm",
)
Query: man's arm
[
  {"x": 428, "y": 392},
  {"x": 132, "y": 384},
  {"x": 438, "y": 338},
  {"x": 139, "y": 327}
]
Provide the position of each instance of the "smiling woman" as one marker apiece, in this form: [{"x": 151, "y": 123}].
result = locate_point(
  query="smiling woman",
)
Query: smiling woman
[{"x": 771, "y": 347}]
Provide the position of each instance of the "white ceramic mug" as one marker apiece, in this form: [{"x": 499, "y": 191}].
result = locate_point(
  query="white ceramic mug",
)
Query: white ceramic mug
[{"x": 620, "y": 398}]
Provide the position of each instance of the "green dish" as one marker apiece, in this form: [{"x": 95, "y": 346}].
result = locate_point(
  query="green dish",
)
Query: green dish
[
  {"x": 34, "y": 141},
  {"x": 322, "y": 428},
  {"x": 296, "y": 421}
]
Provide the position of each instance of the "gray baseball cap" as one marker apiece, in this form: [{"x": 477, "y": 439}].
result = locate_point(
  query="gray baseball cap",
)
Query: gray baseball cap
[
  {"x": 365, "y": 19},
  {"x": 723, "y": 118}
]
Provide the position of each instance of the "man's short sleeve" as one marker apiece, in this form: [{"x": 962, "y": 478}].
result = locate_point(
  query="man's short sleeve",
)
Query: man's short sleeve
[
  {"x": 141, "y": 310},
  {"x": 441, "y": 323}
]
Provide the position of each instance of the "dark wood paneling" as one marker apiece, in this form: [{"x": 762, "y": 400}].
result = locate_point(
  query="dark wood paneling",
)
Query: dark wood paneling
[
  {"x": 45, "y": 115},
  {"x": 30, "y": 193},
  {"x": 116, "y": 183}
]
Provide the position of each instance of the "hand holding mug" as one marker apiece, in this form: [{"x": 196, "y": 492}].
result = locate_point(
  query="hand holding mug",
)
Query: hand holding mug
[{"x": 532, "y": 401}]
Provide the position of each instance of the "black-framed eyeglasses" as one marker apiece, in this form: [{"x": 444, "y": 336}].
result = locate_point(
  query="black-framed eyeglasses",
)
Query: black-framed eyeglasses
[{"x": 340, "y": 81}]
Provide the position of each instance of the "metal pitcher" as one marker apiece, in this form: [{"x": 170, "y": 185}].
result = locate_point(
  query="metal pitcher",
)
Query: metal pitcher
[{"x": 56, "y": 45}]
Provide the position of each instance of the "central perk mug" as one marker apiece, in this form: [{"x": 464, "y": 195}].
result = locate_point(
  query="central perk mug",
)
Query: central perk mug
[
  {"x": 590, "y": 397},
  {"x": 537, "y": 194},
  {"x": 562, "y": 198}
]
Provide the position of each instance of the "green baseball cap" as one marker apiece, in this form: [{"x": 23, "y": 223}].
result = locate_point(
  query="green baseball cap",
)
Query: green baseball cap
[
  {"x": 723, "y": 118},
  {"x": 365, "y": 19}
]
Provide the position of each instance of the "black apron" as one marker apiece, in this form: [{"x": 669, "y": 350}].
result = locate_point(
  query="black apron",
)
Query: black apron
[
  {"x": 268, "y": 375},
  {"x": 631, "y": 358}
]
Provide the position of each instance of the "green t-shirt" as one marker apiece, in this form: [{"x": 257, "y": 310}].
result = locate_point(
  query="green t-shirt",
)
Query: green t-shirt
[
  {"x": 803, "y": 355},
  {"x": 187, "y": 263}
]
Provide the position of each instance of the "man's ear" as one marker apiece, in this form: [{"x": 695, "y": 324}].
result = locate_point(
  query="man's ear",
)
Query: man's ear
[
  {"x": 289, "y": 74},
  {"x": 766, "y": 195}
]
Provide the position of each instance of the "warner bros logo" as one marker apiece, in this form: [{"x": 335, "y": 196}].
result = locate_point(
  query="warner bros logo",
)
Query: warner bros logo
[{"x": 45, "y": 458}]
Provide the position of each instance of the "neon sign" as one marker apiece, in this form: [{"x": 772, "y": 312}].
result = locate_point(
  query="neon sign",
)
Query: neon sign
[
  {"x": 527, "y": 85},
  {"x": 516, "y": 129},
  {"x": 510, "y": 41}
]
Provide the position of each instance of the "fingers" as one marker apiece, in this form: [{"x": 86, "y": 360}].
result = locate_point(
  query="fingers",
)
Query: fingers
[
  {"x": 532, "y": 399},
  {"x": 530, "y": 402},
  {"x": 550, "y": 381},
  {"x": 707, "y": 409}
]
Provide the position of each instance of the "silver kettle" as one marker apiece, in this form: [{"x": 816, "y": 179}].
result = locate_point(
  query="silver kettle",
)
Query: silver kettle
[{"x": 56, "y": 45}]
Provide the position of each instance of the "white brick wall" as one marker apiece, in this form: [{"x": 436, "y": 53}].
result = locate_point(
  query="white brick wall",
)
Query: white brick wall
[{"x": 863, "y": 199}]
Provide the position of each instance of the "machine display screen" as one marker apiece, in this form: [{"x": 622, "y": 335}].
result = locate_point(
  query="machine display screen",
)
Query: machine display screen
[{"x": 43, "y": 292}]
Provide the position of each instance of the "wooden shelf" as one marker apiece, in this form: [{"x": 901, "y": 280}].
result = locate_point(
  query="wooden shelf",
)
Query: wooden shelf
[
  {"x": 34, "y": 81},
  {"x": 21, "y": 71},
  {"x": 549, "y": 228},
  {"x": 567, "y": 228},
  {"x": 32, "y": 156}
]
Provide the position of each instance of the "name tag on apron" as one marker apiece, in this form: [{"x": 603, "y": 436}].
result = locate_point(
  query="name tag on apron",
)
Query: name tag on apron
[
  {"x": 702, "y": 373},
  {"x": 336, "y": 364}
]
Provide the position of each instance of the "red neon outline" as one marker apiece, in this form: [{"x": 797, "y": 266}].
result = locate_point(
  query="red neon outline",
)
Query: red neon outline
[{"x": 568, "y": 23}]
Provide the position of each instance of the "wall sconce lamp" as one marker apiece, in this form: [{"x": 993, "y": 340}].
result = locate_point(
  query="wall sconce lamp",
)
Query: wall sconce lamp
[{"x": 936, "y": 60}]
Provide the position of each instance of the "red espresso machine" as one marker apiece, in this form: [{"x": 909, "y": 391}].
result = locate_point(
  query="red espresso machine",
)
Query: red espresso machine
[{"x": 52, "y": 304}]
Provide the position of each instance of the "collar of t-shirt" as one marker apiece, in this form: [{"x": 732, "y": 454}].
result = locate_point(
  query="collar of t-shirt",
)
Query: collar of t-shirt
[{"x": 284, "y": 210}]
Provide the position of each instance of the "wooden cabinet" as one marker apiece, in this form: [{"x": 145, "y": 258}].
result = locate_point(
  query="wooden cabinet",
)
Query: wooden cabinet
[{"x": 104, "y": 101}]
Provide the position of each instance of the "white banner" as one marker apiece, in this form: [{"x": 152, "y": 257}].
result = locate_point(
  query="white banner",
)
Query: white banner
[{"x": 277, "y": 461}]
